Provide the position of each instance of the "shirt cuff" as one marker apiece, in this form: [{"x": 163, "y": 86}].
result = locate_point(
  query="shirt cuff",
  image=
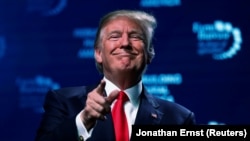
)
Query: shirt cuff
[{"x": 82, "y": 131}]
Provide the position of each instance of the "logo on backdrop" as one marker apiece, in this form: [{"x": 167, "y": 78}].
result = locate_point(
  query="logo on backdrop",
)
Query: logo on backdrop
[
  {"x": 2, "y": 46},
  {"x": 160, "y": 3},
  {"x": 88, "y": 37},
  {"x": 219, "y": 39},
  {"x": 32, "y": 91},
  {"x": 157, "y": 84},
  {"x": 46, "y": 7}
]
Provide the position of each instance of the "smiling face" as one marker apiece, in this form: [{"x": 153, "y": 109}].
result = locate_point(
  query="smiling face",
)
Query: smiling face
[{"x": 122, "y": 48}]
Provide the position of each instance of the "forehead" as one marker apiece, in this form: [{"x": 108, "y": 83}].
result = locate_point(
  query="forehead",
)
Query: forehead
[{"x": 121, "y": 23}]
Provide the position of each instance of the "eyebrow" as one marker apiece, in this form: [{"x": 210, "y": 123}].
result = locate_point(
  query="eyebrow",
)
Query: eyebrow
[
  {"x": 130, "y": 32},
  {"x": 114, "y": 31}
]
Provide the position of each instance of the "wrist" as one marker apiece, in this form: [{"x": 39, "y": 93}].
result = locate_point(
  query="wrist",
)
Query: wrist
[{"x": 87, "y": 121}]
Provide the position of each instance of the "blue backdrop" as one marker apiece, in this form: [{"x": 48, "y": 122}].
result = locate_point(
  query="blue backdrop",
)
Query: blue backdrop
[{"x": 202, "y": 56}]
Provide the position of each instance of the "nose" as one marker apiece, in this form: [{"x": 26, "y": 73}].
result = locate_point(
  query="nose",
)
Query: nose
[{"x": 125, "y": 41}]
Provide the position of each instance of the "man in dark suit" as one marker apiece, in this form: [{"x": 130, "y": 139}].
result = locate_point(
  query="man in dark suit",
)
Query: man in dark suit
[{"x": 123, "y": 49}]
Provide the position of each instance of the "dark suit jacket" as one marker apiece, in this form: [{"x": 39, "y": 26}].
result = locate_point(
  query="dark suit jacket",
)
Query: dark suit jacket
[{"x": 61, "y": 107}]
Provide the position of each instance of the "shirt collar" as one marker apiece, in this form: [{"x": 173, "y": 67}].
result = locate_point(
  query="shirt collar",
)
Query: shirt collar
[{"x": 133, "y": 92}]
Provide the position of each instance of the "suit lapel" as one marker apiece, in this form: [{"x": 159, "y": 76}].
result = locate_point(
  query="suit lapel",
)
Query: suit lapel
[{"x": 147, "y": 112}]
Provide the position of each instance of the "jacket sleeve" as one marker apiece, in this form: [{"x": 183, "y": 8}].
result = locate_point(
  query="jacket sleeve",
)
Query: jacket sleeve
[{"x": 57, "y": 124}]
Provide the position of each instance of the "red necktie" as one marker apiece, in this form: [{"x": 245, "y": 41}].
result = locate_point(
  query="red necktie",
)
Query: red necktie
[{"x": 119, "y": 118}]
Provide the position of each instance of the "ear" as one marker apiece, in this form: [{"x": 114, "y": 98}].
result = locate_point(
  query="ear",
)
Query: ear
[
  {"x": 149, "y": 59},
  {"x": 97, "y": 54},
  {"x": 150, "y": 54}
]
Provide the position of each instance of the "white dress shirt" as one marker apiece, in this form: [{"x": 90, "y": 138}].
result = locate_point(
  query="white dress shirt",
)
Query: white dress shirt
[{"x": 131, "y": 107}]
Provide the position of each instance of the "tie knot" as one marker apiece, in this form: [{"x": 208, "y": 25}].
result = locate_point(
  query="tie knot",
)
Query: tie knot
[{"x": 122, "y": 96}]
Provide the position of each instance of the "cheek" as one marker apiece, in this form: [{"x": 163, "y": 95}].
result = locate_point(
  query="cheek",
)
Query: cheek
[
  {"x": 141, "y": 47},
  {"x": 110, "y": 45}
]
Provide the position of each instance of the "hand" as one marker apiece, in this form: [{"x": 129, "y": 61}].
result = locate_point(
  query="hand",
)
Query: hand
[{"x": 97, "y": 106}]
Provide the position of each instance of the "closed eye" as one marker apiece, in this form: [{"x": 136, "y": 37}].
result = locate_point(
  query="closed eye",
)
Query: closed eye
[
  {"x": 114, "y": 36},
  {"x": 136, "y": 36}
]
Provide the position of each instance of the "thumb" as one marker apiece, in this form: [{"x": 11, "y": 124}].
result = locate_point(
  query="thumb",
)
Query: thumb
[{"x": 112, "y": 96}]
